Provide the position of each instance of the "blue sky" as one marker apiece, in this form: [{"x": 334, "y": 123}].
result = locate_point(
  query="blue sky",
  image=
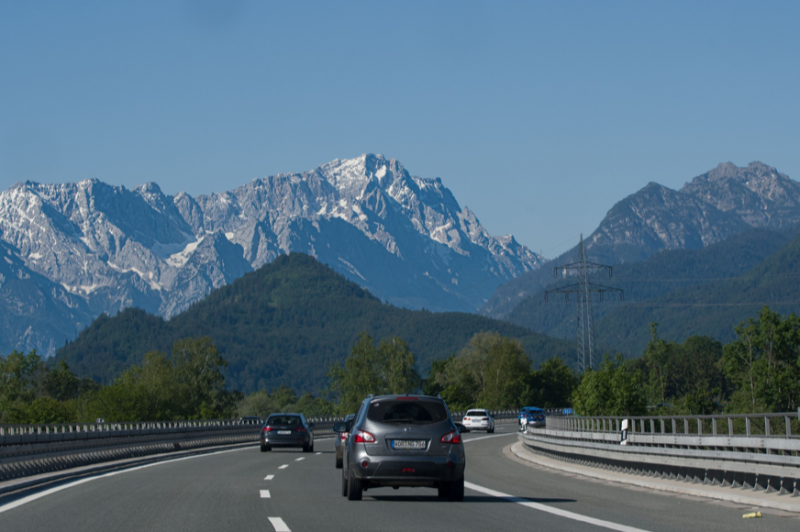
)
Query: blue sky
[{"x": 539, "y": 116}]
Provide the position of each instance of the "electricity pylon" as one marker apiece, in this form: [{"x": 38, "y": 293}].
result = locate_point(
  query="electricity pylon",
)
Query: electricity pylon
[{"x": 584, "y": 290}]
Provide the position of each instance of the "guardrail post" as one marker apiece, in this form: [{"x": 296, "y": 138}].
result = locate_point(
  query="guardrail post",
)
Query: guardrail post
[
  {"x": 714, "y": 426},
  {"x": 699, "y": 426},
  {"x": 730, "y": 427},
  {"x": 766, "y": 426},
  {"x": 747, "y": 424}
]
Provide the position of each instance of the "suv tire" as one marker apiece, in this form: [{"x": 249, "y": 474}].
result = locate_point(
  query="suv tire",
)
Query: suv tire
[
  {"x": 354, "y": 489},
  {"x": 265, "y": 448},
  {"x": 444, "y": 491},
  {"x": 339, "y": 463},
  {"x": 456, "y": 491},
  {"x": 344, "y": 485}
]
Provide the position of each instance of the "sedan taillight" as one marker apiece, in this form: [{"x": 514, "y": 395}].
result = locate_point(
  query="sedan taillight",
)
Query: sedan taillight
[
  {"x": 452, "y": 437},
  {"x": 363, "y": 436}
]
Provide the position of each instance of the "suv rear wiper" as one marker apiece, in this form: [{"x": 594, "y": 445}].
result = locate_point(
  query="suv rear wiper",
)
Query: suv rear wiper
[{"x": 399, "y": 420}]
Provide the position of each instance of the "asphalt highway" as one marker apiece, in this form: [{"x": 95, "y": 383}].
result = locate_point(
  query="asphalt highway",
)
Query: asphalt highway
[{"x": 246, "y": 490}]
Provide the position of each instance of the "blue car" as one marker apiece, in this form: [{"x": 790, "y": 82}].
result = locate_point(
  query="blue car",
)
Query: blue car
[{"x": 531, "y": 416}]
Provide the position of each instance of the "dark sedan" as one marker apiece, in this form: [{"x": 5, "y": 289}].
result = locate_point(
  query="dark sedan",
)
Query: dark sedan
[{"x": 287, "y": 430}]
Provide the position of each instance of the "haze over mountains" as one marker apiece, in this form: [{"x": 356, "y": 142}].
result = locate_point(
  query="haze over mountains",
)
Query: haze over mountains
[
  {"x": 74, "y": 251},
  {"x": 711, "y": 208},
  {"x": 77, "y": 250}
]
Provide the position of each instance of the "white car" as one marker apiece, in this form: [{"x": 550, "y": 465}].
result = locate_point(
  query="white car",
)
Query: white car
[{"x": 478, "y": 419}]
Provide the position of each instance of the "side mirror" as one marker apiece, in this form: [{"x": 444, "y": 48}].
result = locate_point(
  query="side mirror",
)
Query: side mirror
[
  {"x": 311, "y": 425},
  {"x": 341, "y": 426},
  {"x": 460, "y": 427}
]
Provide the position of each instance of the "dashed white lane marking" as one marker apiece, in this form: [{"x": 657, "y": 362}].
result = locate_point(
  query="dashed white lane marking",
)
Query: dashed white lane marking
[
  {"x": 269, "y": 477},
  {"x": 551, "y": 510},
  {"x": 278, "y": 524},
  {"x": 318, "y": 452},
  {"x": 265, "y": 494},
  {"x": 30, "y": 498},
  {"x": 284, "y": 466},
  {"x": 301, "y": 458}
]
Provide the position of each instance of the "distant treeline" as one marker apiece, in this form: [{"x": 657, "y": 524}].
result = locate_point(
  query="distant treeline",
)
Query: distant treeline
[{"x": 757, "y": 372}]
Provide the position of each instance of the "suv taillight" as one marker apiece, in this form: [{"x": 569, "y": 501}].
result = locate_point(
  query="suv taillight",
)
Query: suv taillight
[
  {"x": 363, "y": 436},
  {"x": 452, "y": 437},
  {"x": 267, "y": 429},
  {"x": 300, "y": 429}
]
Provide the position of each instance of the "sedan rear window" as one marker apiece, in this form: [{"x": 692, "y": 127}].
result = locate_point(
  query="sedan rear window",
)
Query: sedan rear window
[
  {"x": 417, "y": 412},
  {"x": 285, "y": 421},
  {"x": 477, "y": 413}
]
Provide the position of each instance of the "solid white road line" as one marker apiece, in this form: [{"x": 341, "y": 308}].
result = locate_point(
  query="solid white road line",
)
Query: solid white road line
[
  {"x": 284, "y": 466},
  {"x": 30, "y": 498},
  {"x": 278, "y": 524},
  {"x": 551, "y": 510},
  {"x": 318, "y": 452},
  {"x": 265, "y": 494},
  {"x": 301, "y": 458},
  {"x": 487, "y": 437},
  {"x": 269, "y": 477}
]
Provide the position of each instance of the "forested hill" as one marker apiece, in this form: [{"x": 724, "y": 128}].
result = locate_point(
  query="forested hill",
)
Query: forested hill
[
  {"x": 645, "y": 283},
  {"x": 711, "y": 309},
  {"x": 285, "y": 324}
]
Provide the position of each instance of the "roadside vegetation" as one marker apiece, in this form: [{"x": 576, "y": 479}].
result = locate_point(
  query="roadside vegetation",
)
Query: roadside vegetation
[{"x": 759, "y": 371}]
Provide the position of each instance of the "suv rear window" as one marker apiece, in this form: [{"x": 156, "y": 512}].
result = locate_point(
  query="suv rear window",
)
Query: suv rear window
[
  {"x": 407, "y": 411},
  {"x": 285, "y": 421}
]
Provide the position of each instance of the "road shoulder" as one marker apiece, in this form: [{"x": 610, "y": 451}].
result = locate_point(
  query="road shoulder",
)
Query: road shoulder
[{"x": 519, "y": 453}]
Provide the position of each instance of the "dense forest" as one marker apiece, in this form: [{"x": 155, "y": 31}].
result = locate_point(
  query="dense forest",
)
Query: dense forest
[
  {"x": 759, "y": 371},
  {"x": 688, "y": 292},
  {"x": 284, "y": 324}
]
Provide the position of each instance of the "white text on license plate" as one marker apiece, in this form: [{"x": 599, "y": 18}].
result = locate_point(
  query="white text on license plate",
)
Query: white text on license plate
[
  {"x": 284, "y": 432},
  {"x": 408, "y": 444}
]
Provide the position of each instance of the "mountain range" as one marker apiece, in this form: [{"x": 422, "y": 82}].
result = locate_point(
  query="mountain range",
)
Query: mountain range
[
  {"x": 78, "y": 250},
  {"x": 709, "y": 209}
]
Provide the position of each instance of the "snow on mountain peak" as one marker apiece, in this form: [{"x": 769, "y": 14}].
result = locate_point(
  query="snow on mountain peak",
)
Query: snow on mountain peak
[{"x": 403, "y": 237}]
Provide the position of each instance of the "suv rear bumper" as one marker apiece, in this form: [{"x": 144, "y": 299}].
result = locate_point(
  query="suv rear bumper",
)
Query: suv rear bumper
[{"x": 408, "y": 470}]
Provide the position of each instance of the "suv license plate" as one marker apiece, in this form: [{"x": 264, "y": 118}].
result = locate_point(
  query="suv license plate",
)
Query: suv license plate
[
  {"x": 284, "y": 432},
  {"x": 408, "y": 444}
]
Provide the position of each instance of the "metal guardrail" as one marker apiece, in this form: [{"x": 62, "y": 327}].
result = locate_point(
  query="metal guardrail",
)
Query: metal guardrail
[
  {"x": 34, "y": 449},
  {"x": 758, "y": 451},
  {"x": 498, "y": 415}
]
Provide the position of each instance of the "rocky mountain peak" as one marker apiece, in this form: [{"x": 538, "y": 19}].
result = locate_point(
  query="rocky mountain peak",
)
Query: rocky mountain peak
[
  {"x": 757, "y": 193},
  {"x": 403, "y": 237}
]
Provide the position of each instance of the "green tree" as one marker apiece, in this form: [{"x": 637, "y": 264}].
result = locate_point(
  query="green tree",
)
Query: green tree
[
  {"x": 659, "y": 359},
  {"x": 763, "y": 363},
  {"x": 188, "y": 384},
  {"x": 611, "y": 390},
  {"x": 490, "y": 372},
  {"x": 552, "y": 385},
  {"x": 385, "y": 369}
]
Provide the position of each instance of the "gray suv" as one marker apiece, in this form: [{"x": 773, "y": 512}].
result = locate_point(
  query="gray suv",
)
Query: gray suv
[{"x": 403, "y": 440}]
